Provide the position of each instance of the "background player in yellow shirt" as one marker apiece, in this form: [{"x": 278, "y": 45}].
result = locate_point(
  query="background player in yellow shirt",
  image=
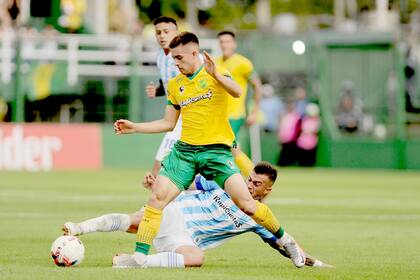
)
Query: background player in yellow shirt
[
  {"x": 243, "y": 72},
  {"x": 200, "y": 93}
]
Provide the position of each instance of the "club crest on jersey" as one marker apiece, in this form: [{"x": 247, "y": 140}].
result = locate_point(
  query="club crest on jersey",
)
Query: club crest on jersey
[
  {"x": 181, "y": 89},
  {"x": 203, "y": 83}
]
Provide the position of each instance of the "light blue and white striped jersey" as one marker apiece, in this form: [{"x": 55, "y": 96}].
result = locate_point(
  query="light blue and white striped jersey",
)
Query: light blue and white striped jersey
[
  {"x": 167, "y": 68},
  {"x": 212, "y": 217}
]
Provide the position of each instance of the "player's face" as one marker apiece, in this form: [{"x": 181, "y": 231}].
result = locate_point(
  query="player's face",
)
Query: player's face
[
  {"x": 227, "y": 45},
  {"x": 259, "y": 185},
  {"x": 185, "y": 58},
  {"x": 165, "y": 32}
]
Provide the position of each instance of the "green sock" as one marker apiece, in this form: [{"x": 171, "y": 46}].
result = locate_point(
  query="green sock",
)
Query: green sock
[
  {"x": 279, "y": 233},
  {"x": 142, "y": 248}
]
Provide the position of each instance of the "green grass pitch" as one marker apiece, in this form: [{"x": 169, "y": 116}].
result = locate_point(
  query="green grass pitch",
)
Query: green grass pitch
[{"x": 366, "y": 223}]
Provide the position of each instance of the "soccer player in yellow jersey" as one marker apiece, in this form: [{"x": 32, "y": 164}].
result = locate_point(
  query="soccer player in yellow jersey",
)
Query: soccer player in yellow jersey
[
  {"x": 243, "y": 73},
  {"x": 200, "y": 93}
]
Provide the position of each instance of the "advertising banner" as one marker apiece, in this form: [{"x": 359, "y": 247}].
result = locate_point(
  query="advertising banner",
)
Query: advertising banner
[{"x": 43, "y": 147}]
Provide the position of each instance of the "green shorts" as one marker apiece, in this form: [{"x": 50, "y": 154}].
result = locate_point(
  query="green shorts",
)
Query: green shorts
[
  {"x": 236, "y": 125},
  {"x": 213, "y": 162}
]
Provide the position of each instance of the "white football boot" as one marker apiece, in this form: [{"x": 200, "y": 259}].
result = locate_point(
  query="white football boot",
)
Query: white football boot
[
  {"x": 293, "y": 250},
  {"x": 136, "y": 260},
  {"x": 71, "y": 228}
]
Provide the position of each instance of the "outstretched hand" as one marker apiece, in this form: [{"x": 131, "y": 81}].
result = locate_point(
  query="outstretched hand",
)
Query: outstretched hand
[
  {"x": 149, "y": 181},
  {"x": 210, "y": 64},
  {"x": 124, "y": 127}
]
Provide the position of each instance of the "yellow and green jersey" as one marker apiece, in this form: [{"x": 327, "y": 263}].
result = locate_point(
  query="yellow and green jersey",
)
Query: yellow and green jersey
[
  {"x": 242, "y": 71},
  {"x": 203, "y": 104}
]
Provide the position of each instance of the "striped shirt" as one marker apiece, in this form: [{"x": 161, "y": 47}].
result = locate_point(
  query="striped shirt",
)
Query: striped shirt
[
  {"x": 212, "y": 218},
  {"x": 167, "y": 68}
]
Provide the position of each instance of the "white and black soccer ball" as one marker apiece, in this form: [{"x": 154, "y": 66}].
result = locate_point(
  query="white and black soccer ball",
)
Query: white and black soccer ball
[{"x": 67, "y": 251}]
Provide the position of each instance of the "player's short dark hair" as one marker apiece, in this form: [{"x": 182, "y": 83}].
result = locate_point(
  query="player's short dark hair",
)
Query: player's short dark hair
[
  {"x": 265, "y": 168},
  {"x": 165, "y": 20},
  {"x": 226, "y": 32},
  {"x": 183, "y": 38}
]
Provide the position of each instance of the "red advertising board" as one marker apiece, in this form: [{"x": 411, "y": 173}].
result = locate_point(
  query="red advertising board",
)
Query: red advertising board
[{"x": 42, "y": 147}]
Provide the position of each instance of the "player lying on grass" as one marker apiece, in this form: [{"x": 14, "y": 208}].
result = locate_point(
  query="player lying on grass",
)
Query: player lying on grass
[{"x": 195, "y": 221}]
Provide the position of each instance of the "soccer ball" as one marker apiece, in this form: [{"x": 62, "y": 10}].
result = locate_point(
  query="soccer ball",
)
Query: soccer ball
[{"x": 67, "y": 251}]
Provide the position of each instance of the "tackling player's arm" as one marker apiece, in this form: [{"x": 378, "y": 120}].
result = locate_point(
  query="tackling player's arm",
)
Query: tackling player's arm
[
  {"x": 152, "y": 90},
  {"x": 270, "y": 239},
  {"x": 227, "y": 82},
  {"x": 166, "y": 124}
]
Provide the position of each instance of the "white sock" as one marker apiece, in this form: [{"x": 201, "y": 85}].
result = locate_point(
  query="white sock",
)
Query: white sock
[
  {"x": 286, "y": 238},
  {"x": 165, "y": 259},
  {"x": 106, "y": 223}
]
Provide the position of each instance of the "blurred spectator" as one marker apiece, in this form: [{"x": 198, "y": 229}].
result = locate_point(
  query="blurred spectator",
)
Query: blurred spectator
[
  {"x": 307, "y": 141},
  {"x": 286, "y": 23},
  {"x": 42, "y": 74},
  {"x": 300, "y": 100},
  {"x": 148, "y": 32},
  {"x": 349, "y": 115},
  {"x": 72, "y": 12},
  {"x": 410, "y": 82},
  {"x": 289, "y": 130},
  {"x": 123, "y": 17},
  {"x": 49, "y": 44},
  {"x": 3, "y": 109},
  {"x": 9, "y": 12},
  {"x": 271, "y": 107}
]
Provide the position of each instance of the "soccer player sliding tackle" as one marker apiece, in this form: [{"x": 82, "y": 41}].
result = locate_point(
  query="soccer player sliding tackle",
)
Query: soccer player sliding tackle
[{"x": 194, "y": 222}]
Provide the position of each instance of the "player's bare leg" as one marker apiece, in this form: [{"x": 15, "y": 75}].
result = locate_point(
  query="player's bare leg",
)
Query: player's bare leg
[
  {"x": 106, "y": 223},
  {"x": 156, "y": 167},
  {"x": 193, "y": 256}
]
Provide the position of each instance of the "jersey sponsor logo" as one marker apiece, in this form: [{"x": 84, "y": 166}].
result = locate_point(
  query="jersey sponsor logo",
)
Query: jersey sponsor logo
[
  {"x": 195, "y": 99},
  {"x": 227, "y": 211}
]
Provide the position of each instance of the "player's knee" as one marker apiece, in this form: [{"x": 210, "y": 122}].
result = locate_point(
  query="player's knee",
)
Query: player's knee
[
  {"x": 157, "y": 200},
  {"x": 163, "y": 192}
]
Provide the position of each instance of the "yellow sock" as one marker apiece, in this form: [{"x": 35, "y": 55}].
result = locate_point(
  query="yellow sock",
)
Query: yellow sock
[
  {"x": 244, "y": 163},
  {"x": 265, "y": 217},
  {"x": 148, "y": 229}
]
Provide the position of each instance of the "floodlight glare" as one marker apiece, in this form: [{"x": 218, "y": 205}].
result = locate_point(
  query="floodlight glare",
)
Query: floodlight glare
[{"x": 298, "y": 47}]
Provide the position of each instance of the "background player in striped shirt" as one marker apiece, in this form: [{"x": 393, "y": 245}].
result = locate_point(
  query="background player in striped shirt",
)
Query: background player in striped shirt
[
  {"x": 200, "y": 94},
  {"x": 194, "y": 221},
  {"x": 243, "y": 73},
  {"x": 165, "y": 30}
]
